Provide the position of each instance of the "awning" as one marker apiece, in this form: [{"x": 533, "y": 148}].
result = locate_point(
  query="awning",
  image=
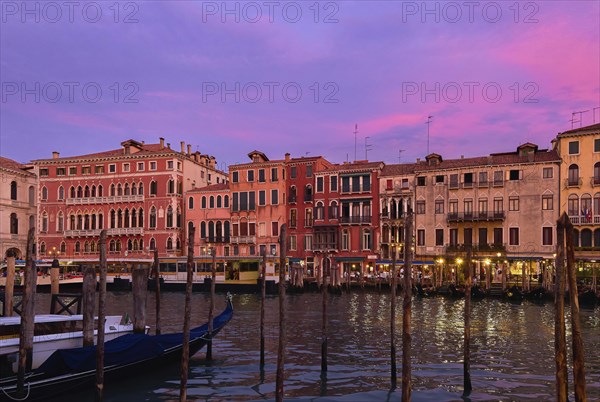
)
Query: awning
[
  {"x": 350, "y": 259},
  {"x": 401, "y": 262},
  {"x": 294, "y": 259}
]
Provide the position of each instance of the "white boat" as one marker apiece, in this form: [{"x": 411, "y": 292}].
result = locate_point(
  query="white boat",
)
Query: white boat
[{"x": 51, "y": 332}]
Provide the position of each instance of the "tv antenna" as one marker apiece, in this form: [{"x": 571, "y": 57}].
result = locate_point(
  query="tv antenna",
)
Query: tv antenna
[
  {"x": 400, "y": 155},
  {"x": 429, "y": 118},
  {"x": 368, "y": 147},
  {"x": 355, "y": 133},
  {"x": 574, "y": 120},
  {"x": 594, "y": 113}
]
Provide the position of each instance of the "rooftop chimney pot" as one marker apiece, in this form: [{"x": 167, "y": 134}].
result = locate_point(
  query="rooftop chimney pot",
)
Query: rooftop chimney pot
[
  {"x": 55, "y": 155},
  {"x": 162, "y": 142}
]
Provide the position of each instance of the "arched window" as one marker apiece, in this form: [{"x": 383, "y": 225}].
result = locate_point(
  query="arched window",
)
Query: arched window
[
  {"x": 63, "y": 247},
  {"x": 142, "y": 244},
  {"x": 79, "y": 192},
  {"x": 44, "y": 222},
  {"x": 113, "y": 218},
  {"x": 586, "y": 208},
  {"x": 141, "y": 189},
  {"x": 178, "y": 244},
  {"x": 112, "y": 190},
  {"x": 100, "y": 221},
  {"x": 226, "y": 202},
  {"x": 44, "y": 193},
  {"x": 190, "y": 226},
  {"x": 13, "y": 190},
  {"x": 573, "y": 179},
  {"x": 153, "y": 188},
  {"x": 171, "y": 186},
  {"x": 31, "y": 196},
  {"x": 134, "y": 218},
  {"x": 573, "y": 205},
  {"x": 366, "y": 239},
  {"x": 61, "y": 193},
  {"x": 203, "y": 202},
  {"x": 86, "y": 192},
  {"x": 219, "y": 231},
  {"x": 136, "y": 245},
  {"x": 293, "y": 194},
  {"x": 79, "y": 221},
  {"x": 94, "y": 220},
  {"x": 141, "y": 218},
  {"x": 191, "y": 203},
  {"x": 203, "y": 230},
  {"x": 119, "y": 190},
  {"x": 211, "y": 202},
  {"x": 31, "y": 221},
  {"x": 119, "y": 218},
  {"x": 152, "y": 217},
  {"x": 93, "y": 191},
  {"x": 93, "y": 246},
  {"x": 118, "y": 245},
  {"x": 129, "y": 245},
  {"x": 72, "y": 193},
  {"x": 112, "y": 246},
  {"x": 14, "y": 224},
  {"x": 60, "y": 222},
  {"x": 100, "y": 194},
  {"x": 178, "y": 217},
  {"x": 169, "y": 244},
  {"x": 86, "y": 247},
  {"x": 597, "y": 238},
  {"x": 597, "y": 173},
  {"x": 42, "y": 248},
  {"x": 78, "y": 246},
  {"x": 219, "y": 201},
  {"x": 393, "y": 209},
  {"x": 211, "y": 232},
  {"x": 127, "y": 190},
  {"x": 152, "y": 244},
  {"x": 170, "y": 217},
  {"x": 586, "y": 238},
  {"x": 319, "y": 211},
  {"x": 126, "y": 218},
  {"x": 308, "y": 193},
  {"x": 72, "y": 224},
  {"x": 333, "y": 210},
  {"x": 133, "y": 189}
]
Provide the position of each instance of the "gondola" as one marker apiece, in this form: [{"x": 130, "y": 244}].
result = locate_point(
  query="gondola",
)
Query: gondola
[
  {"x": 587, "y": 298},
  {"x": 478, "y": 293},
  {"x": 125, "y": 356},
  {"x": 456, "y": 292},
  {"x": 514, "y": 295}
]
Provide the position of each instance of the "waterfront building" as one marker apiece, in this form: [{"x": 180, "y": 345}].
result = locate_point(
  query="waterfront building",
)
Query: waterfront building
[
  {"x": 579, "y": 181},
  {"x": 348, "y": 225},
  {"x": 135, "y": 192},
  {"x": 302, "y": 211},
  {"x": 503, "y": 207},
  {"x": 18, "y": 202}
]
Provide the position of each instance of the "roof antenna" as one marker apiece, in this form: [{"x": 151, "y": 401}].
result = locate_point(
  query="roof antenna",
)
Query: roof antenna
[
  {"x": 355, "y": 133},
  {"x": 594, "y": 113},
  {"x": 367, "y": 148},
  {"x": 428, "y": 124},
  {"x": 400, "y": 155},
  {"x": 573, "y": 120}
]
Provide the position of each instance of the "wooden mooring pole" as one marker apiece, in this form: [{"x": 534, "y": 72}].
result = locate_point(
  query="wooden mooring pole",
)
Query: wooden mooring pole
[
  {"x": 27, "y": 315},
  {"x": 99, "y": 396},
  {"x": 156, "y": 268},
  {"x": 263, "y": 287},
  {"x": 577, "y": 338},
  {"x": 560, "y": 342},
  {"x": 139, "y": 284},
  {"x": 89, "y": 304},
  {"x": 281, "y": 347},
  {"x": 406, "y": 310},
  {"x": 394, "y": 288},
  {"x": 324, "y": 292},
  {"x": 185, "y": 353},
  {"x": 467, "y": 329},
  {"x": 211, "y": 309},
  {"x": 54, "y": 279},
  {"x": 10, "y": 283}
]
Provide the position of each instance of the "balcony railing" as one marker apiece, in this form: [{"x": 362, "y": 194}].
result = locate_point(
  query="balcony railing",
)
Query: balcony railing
[
  {"x": 483, "y": 183},
  {"x": 83, "y": 233},
  {"x": 453, "y": 185},
  {"x": 498, "y": 183},
  {"x": 585, "y": 220},
  {"x": 125, "y": 231},
  {"x": 217, "y": 239},
  {"x": 243, "y": 239},
  {"x": 595, "y": 181},
  {"x": 105, "y": 200},
  {"x": 477, "y": 247},
  {"x": 573, "y": 182},
  {"x": 356, "y": 219},
  {"x": 475, "y": 216},
  {"x": 109, "y": 232}
]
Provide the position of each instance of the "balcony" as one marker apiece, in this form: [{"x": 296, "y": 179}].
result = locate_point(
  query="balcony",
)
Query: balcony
[
  {"x": 499, "y": 183},
  {"x": 483, "y": 184},
  {"x": 573, "y": 182},
  {"x": 475, "y": 216},
  {"x": 243, "y": 239},
  {"x": 453, "y": 185},
  {"x": 355, "y": 219},
  {"x": 476, "y": 247},
  {"x": 595, "y": 181},
  {"x": 585, "y": 220},
  {"x": 105, "y": 200},
  {"x": 109, "y": 232},
  {"x": 83, "y": 233},
  {"x": 217, "y": 239}
]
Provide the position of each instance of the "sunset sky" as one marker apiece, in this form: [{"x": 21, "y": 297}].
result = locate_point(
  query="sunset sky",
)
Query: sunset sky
[{"x": 162, "y": 67}]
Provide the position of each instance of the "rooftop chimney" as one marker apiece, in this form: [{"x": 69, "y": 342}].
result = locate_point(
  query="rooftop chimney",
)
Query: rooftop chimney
[
  {"x": 189, "y": 149},
  {"x": 162, "y": 142},
  {"x": 169, "y": 145},
  {"x": 287, "y": 156},
  {"x": 55, "y": 155},
  {"x": 462, "y": 157},
  {"x": 182, "y": 147},
  {"x": 418, "y": 160}
]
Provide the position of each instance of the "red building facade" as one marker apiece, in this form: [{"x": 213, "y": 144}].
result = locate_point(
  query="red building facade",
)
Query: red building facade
[{"x": 135, "y": 192}]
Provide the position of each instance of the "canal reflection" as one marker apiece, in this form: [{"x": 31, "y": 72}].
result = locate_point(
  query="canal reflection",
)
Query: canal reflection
[{"x": 512, "y": 355}]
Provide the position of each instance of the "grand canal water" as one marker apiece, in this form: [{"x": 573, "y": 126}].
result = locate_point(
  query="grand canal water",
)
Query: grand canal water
[{"x": 512, "y": 351}]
